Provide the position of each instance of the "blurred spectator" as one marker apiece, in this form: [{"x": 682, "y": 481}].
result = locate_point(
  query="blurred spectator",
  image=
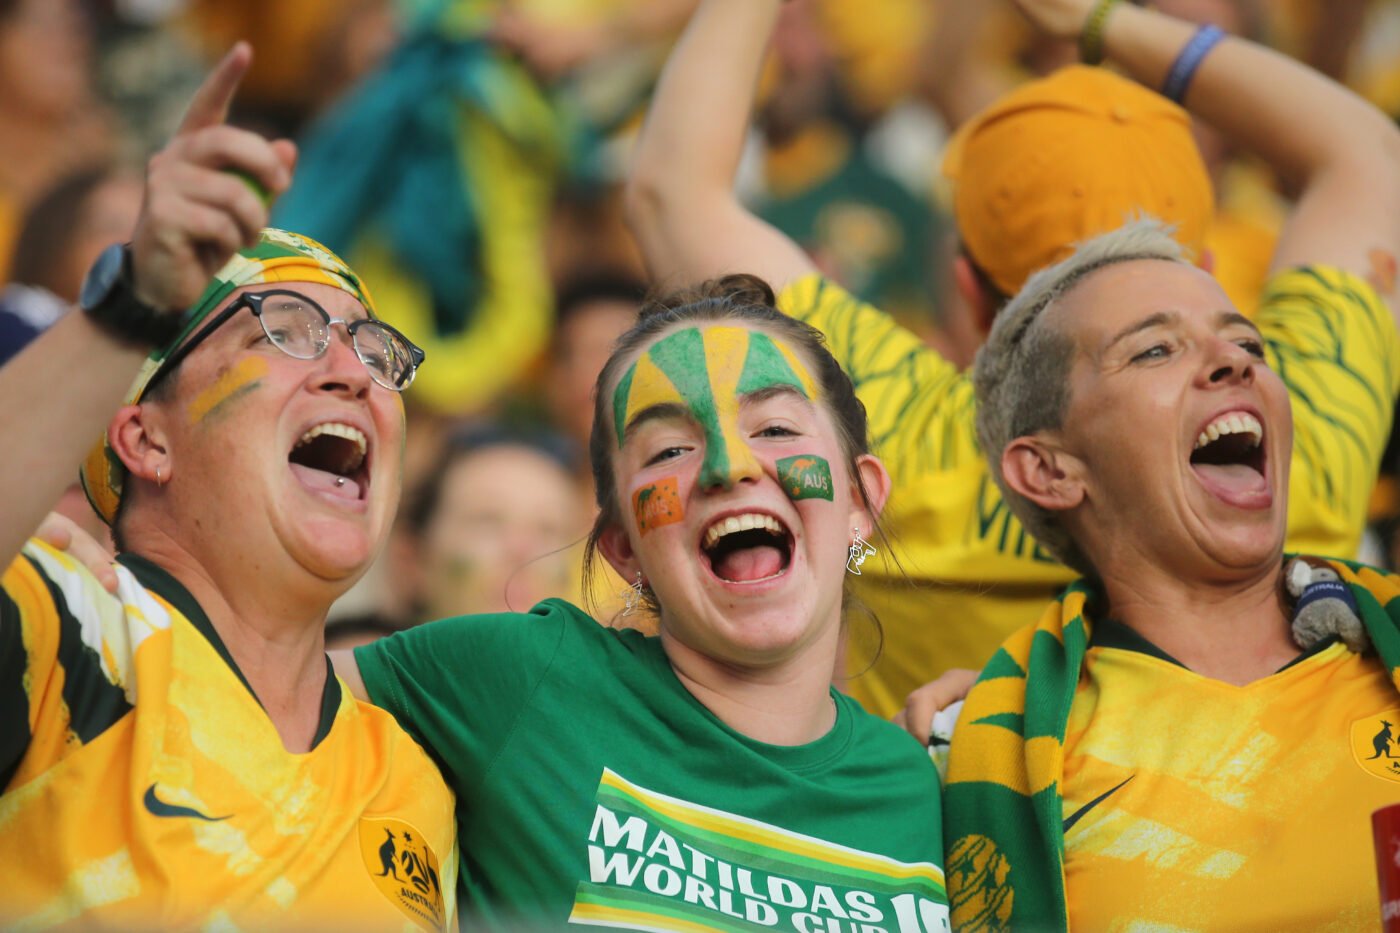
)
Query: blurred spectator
[
  {"x": 822, "y": 185},
  {"x": 353, "y": 631},
  {"x": 591, "y": 312},
  {"x": 49, "y": 118},
  {"x": 60, "y": 238},
  {"x": 61, "y": 235},
  {"x": 308, "y": 53},
  {"x": 492, "y": 528}
]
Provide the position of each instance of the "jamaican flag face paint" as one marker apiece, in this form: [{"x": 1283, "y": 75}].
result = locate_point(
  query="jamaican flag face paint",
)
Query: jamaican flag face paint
[{"x": 707, "y": 371}]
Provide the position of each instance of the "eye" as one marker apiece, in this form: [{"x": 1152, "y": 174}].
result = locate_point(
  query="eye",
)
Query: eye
[
  {"x": 776, "y": 430},
  {"x": 1253, "y": 347},
  {"x": 1158, "y": 351},
  {"x": 670, "y": 453}
]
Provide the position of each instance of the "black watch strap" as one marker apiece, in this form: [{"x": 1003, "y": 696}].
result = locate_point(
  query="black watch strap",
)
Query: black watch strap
[{"x": 109, "y": 300}]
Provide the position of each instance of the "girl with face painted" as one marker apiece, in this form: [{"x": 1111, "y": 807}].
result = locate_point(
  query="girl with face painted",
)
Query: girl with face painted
[{"x": 709, "y": 777}]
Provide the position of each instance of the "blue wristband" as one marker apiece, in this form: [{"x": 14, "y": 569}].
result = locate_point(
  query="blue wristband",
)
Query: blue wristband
[{"x": 1184, "y": 68}]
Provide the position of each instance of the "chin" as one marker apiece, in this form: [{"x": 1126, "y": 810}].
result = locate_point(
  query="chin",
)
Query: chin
[{"x": 338, "y": 556}]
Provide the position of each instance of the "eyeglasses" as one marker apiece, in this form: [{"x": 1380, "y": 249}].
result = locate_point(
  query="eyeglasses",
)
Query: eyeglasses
[{"x": 301, "y": 328}]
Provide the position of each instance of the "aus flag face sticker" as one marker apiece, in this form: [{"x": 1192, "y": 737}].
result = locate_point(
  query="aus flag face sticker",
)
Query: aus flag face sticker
[
  {"x": 664, "y": 864},
  {"x": 657, "y": 504},
  {"x": 1375, "y": 744},
  {"x": 805, "y": 476},
  {"x": 404, "y": 868}
]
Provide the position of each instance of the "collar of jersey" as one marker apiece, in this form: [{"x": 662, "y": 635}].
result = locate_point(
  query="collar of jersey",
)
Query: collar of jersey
[
  {"x": 1108, "y": 632},
  {"x": 158, "y": 581}
]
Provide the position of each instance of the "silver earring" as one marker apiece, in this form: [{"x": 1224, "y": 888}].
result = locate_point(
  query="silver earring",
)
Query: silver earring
[
  {"x": 633, "y": 597},
  {"x": 860, "y": 549}
]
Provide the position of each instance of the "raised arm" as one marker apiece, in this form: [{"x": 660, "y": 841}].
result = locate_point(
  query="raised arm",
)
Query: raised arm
[
  {"x": 1340, "y": 153},
  {"x": 680, "y": 198},
  {"x": 61, "y": 392}
]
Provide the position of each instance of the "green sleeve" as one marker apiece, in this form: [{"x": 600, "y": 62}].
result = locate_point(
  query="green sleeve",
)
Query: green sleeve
[
  {"x": 920, "y": 406},
  {"x": 458, "y": 686}
]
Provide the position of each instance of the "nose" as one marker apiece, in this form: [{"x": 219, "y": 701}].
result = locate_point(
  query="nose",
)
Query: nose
[
  {"x": 728, "y": 460},
  {"x": 1231, "y": 364},
  {"x": 340, "y": 369}
]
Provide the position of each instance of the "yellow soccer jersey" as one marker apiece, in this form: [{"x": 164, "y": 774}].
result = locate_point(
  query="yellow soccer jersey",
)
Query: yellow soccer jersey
[
  {"x": 1193, "y": 804},
  {"x": 970, "y": 574},
  {"x": 144, "y": 787}
]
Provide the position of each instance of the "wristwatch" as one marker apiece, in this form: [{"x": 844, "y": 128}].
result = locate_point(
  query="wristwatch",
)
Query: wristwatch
[{"x": 109, "y": 299}]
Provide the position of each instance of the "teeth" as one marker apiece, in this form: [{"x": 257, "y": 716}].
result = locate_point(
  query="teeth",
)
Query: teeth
[
  {"x": 1232, "y": 423},
  {"x": 336, "y": 430},
  {"x": 746, "y": 522},
  {"x": 343, "y": 431}
]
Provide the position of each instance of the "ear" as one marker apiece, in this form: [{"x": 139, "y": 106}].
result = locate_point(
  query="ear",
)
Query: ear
[
  {"x": 136, "y": 437},
  {"x": 1043, "y": 472},
  {"x": 617, "y": 550},
  {"x": 876, "y": 480},
  {"x": 974, "y": 293}
]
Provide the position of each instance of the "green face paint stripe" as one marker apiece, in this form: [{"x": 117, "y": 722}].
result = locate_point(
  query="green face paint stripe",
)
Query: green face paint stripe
[
  {"x": 677, "y": 357},
  {"x": 805, "y": 476},
  {"x": 624, "y": 389},
  {"x": 765, "y": 366}
]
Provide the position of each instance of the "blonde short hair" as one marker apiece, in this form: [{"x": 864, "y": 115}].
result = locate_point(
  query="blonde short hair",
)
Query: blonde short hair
[{"x": 1021, "y": 375}]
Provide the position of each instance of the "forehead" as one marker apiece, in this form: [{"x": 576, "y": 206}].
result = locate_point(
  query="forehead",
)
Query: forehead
[
  {"x": 706, "y": 369},
  {"x": 1125, "y": 293},
  {"x": 729, "y": 359}
]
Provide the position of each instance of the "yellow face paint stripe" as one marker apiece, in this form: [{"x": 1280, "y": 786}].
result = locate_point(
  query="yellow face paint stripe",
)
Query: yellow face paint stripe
[
  {"x": 238, "y": 379},
  {"x": 726, "y": 352}
]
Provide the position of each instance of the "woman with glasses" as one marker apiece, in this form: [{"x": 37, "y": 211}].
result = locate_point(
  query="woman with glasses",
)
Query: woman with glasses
[{"x": 178, "y": 754}]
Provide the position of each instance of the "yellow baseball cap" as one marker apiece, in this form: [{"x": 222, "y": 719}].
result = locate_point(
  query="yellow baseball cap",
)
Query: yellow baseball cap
[{"x": 1065, "y": 158}]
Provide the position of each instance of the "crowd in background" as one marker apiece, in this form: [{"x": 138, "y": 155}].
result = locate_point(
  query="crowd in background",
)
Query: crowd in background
[{"x": 467, "y": 157}]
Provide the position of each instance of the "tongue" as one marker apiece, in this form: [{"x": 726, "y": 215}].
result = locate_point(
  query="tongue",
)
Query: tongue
[
  {"x": 1236, "y": 483},
  {"x": 750, "y": 563},
  {"x": 323, "y": 481}
]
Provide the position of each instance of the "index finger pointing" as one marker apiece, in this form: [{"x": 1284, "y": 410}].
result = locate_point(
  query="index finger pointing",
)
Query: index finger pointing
[{"x": 209, "y": 106}]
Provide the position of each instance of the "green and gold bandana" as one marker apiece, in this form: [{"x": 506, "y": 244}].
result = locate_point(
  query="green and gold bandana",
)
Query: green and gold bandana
[{"x": 278, "y": 256}]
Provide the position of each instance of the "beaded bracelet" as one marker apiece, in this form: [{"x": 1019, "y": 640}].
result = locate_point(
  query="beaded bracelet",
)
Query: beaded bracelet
[
  {"x": 1192, "y": 54},
  {"x": 1091, "y": 39}
]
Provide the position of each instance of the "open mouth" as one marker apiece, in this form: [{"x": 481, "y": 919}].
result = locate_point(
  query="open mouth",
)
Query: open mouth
[
  {"x": 333, "y": 458},
  {"x": 1229, "y": 453},
  {"x": 747, "y": 548}
]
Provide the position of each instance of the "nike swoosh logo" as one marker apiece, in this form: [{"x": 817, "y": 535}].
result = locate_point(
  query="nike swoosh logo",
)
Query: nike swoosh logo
[
  {"x": 1078, "y": 815},
  {"x": 159, "y": 807}
]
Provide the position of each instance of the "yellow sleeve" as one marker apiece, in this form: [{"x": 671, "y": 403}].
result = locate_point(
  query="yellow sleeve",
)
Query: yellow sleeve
[
  {"x": 1333, "y": 340},
  {"x": 920, "y": 406},
  {"x": 60, "y": 679}
]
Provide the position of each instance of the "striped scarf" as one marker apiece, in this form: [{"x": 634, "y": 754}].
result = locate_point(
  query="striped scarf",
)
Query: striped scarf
[{"x": 1003, "y": 814}]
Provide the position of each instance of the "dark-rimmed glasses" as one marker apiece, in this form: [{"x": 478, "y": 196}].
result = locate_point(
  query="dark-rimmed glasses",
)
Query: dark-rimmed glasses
[{"x": 301, "y": 328}]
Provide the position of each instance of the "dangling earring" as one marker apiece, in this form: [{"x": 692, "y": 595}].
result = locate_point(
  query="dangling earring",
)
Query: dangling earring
[
  {"x": 860, "y": 549},
  {"x": 633, "y": 597}
]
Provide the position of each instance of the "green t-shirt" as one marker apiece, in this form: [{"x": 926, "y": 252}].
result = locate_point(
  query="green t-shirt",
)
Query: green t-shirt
[{"x": 591, "y": 786}]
